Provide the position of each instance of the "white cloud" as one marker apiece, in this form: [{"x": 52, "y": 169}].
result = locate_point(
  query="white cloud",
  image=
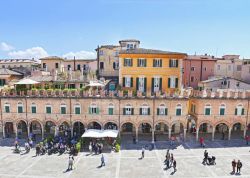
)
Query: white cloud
[
  {"x": 6, "y": 47},
  {"x": 80, "y": 55},
  {"x": 35, "y": 52}
]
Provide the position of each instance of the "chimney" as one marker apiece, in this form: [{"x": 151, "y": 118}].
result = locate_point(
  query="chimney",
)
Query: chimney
[{"x": 74, "y": 63}]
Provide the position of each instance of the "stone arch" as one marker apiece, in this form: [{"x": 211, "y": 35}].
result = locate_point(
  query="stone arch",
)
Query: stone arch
[
  {"x": 22, "y": 128},
  {"x": 205, "y": 130},
  {"x": 36, "y": 129},
  {"x": 78, "y": 128},
  {"x": 128, "y": 127},
  {"x": 161, "y": 131},
  {"x": 205, "y": 122},
  {"x": 9, "y": 129},
  {"x": 110, "y": 125},
  {"x": 145, "y": 130},
  {"x": 177, "y": 128},
  {"x": 64, "y": 128},
  {"x": 237, "y": 130},
  {"x": 50, "y": 127},
  {"x": 221, "y": 130},
  {"x": 94, "y": 125}
]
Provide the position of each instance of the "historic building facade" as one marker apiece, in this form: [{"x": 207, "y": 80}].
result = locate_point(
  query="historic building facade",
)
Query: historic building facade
[{"x": 203, "y": 114}]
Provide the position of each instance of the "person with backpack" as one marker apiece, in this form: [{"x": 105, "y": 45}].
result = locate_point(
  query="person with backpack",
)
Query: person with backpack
[
  {"x": 174, "y": 165},
  {"x": 142, "y": 152},
  {"x": 71, "y": 161},
  {"x": 234, "y": 165},
  {"x": 102, "y": 161}
]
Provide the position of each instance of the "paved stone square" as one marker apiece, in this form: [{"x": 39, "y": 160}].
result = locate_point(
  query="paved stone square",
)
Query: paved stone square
[{"x": 127, "y": 163}]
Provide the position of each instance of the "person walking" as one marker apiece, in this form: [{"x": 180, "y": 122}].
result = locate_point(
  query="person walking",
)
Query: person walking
[
  {"x": 239, "y": 166},
  {"x": 171, "y": 159},
  {"x": 71, "y": 161},
  {"x": 167, "y": 158},
  {"x": 233, "y": 165},
  {"x": 247, "y": 139},
  {"x": 102, "y": 161},
  {"x": 142, "y": 152},
  {"x": 205, "y": 157},
  {"x": 90, "y": 148},
  {"x": 174, "y": 165},
  {"x": 202, "y": 142}
]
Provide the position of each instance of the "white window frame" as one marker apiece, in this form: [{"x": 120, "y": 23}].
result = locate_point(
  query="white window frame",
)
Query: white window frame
[
  {"x": 93, "y": 108},
  {"x": 141, "y": 84},
  {"x": 192, "y": 69},
  {"x": 156, "y": 84},
  {"x": 128, "y": 81},
  {"x": 6, "y": 104},
  {"x": 77, "y": 106},
  {"x": 33, "y": 105},
  {"x": 208, "y": 106},
  {"x": 48, "y": 105},
  {"x": 178, "y": 106},
  {"x": 222, "y": 106},
  {"x": 63, "y": 105},
  {"x": 144, "y": 109},
  {"x": 162, "y": 110},
  {"x": 126, "y": 63},
  {"x": 239, "y": 108},
  {"x": 128, "y": 109},
  {"x": 20, "y": 104},
  {"x": 172, "y": 81},
  {"x": 142, "y": 62},
  {"x": 158, "y": 62},
  {"x": 173, "y": 62}
]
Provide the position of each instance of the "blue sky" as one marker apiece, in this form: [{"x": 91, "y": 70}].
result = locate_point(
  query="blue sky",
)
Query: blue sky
[{"x": 75, "y": 27}]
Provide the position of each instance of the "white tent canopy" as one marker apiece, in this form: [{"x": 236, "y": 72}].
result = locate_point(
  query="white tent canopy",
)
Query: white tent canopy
[
  {"x": 26, "y": 81},
  {"x": 95, "y": 84},
  {"x": 95, "y": 133}
]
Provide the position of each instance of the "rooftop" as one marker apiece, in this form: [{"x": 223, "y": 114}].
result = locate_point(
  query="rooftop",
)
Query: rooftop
[
  {"x": 129, "y": 40},
  {"x": 147, "y": 51},
  {"x": 4, "y": 71}
]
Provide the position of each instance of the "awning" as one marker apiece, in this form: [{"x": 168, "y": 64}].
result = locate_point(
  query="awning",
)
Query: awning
[
  {"x": 26, "y": 81},
  {"x": 95, "y": 84},
  {"x": 95, "y": 133}
]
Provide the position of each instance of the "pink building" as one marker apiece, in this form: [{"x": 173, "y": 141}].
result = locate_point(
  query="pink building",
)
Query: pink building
[{"x": 197, "y": 68}]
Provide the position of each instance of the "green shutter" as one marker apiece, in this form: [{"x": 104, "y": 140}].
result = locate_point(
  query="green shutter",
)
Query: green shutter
[
  {"x": 145, "y": 84},
  {"x": 90, "y": 110},
  {"x": 97, "y": 110},
  {"x": 222, "y": 111},
  {"x": 207, "y": 111},
  {"x": 63, "y": 110},
  {"x": 160, "y": 86},
  {"x": 177, "y": 63},
  {"x": 235, "y": 111},
  {"x": 33, "y": 109},
  {"x": 168, "y": 82},
  {"x": 132, "y": 111},
  {"x": 158, "y": 111},
  {"x": 20, "y": 109},
  {"x": 161, "y": 63},
  {"x": 124, "y": 111},
  {"x": 148, "y": 111},
  {"x": 7, "y": 109},
  {"x": 153, "y": 62},
  {"x": 123, "y": 81},
  {"x": 152, "y": 86},
  {"x": 140, "y": 111},
  {"x": 145, "y": 63},
  {"x": 166, "y": 111},
  {"x": 137, "y": 83},
  {"x": 242, "y": 111},
  {"x": 110, "y": 111},
  {"x": 124, "y": 62},
  {"x": 138, "y": 64},
  {"x": 131, "y": 62},
  {"x": 178, "y": 112},
  {"x": 77, "y": 110},
  {"x": 131, "y": 84},
  {"x": 176, "y": 82},
  {"x": 48, "y": 110},
  {"x": 170, "y": 63}
]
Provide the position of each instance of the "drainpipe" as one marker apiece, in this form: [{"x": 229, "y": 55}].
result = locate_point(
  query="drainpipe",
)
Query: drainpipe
[
  {"x": 247, "y": 118},
  {"x": 70, "y": 117},
  {"x": 3, "y": 136},
  {"x": 119, "y": 119},
  {"x": 153, "y": 129},
  {"x": 26, "y": 115}
]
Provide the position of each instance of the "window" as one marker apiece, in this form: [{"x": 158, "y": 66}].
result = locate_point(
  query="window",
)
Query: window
[
  {"x": 205, "y": 68},
  {"x": 207, "y": 110},
  {"x": 192, "y": 68},
  {"x": 77, "y": 109},
  {"x": 7, "y": 108},
  {"x": 239, "y": 110},
  {"x": 141, "y": 63},
  {"x": 162, "y": 110},
  {"x": 48, "y": 109},
  {"x": 128, "y": 62},
  {"x": 192, "y": 79},
  {"x": 127, "y": 82},
  {"x": 193, "y": 108},
  {"x": 229, "y": 68},
  {"x": 178, "y": 110},
  {"x": 157, "y": 63},
  {"x": 69, "y": 67},
  {"x": 128, "y": 110},
  {"x": 101, "y": 65},
  {"x": 222, "y": 109},
  {"x": 248, "y": 69},
  {"x": 101, "y": 52},
  {"x": 63, "y": 109},
  {"x": 156, "y": 84},
  {"x": 33, "y": 108},
  {"x": 93, "y": 109},
  {"x": 238, "y": 67},
  {"x": 173, "y": 82},
  {"x": 20, "y": 107},
  {"x": 44, "y": 65},
  {"x": 130, "y": 46},
  {"x": 111, "y": 109},
  {"x": 218, "y": 67},
  {"x": 78, "y": 67},
  {"x": 3, "y": 66},
  {"x": 173, "y": 63},
  {"x": 115, "y": 65},
  {"x": 142, "y": 84},
  {"x": 145, "y": 110},
  {"x": 56, "y": 65}
]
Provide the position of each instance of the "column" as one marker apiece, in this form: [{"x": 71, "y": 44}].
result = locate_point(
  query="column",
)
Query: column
[
  {"x": 28, "y": 130},
  {"x": 136, "y": 135},
  {"x": 15, "y": 127},
  {"x": 56, "y": 131},
  {"x": 169, "y": 133},
  {"x": 229, "y": 133},
  {"x": 42, "y": 133},
  {"x": 213, "y": 133},
  {"x": 197, "y": 134},
  {"x": 3, "y": 130},
  {"x": 153, "y": 135},
  {"x": 71, "y": 131},
  {"x": 245, "y": 132},
  {"x": 184, "y": 134}
]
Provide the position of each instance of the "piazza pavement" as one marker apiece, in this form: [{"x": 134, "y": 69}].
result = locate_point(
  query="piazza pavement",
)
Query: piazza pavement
[{"x": 127, "y": 163}]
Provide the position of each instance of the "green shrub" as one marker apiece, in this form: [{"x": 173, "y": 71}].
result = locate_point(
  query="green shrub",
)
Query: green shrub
[
  {"x": 117, "y": 147},
  {"x": 78, "y": 147}
]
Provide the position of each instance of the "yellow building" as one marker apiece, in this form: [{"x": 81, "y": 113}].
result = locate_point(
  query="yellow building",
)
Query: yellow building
[{"x": 148, "y": 70}]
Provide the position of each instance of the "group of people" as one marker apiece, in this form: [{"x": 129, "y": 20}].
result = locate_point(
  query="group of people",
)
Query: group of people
[
  {"x": 170, "y": 161},
  {"x": 95, "y": 147},
  {"x": 237, "y": 165}
]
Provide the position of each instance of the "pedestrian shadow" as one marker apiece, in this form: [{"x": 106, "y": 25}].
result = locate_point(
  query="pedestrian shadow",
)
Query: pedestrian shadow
[
  {"x": 88, "y": 154},
  {"x": 99, "y": 167},
  {"x": 172, "y": 173},
  {"x": 237, "y": 174},
  {"x": 140, "y": 158},
  {"x": 67, "y": 170}
]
